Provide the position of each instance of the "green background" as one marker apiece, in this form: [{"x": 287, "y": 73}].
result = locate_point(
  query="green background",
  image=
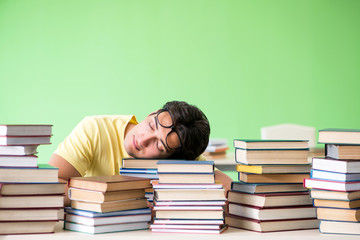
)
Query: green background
[{"x": 246, "y": 64}]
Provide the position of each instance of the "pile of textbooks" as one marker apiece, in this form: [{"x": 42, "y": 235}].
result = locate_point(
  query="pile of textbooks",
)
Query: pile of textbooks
[
  {"x": 335, "y": 182},
  {"x": 31, "y": 198},
  {"x": 269, "y": 195},
  {"x": 187, "y": 199},
  {"x": 104, "y": 204}
]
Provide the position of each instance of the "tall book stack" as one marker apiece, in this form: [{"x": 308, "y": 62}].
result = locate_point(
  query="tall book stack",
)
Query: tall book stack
[
  {"x": 104, "y": 204},
  {"x": 141, "y": 167},
  {"x": 335, "y": 182},
  {"x": 269, "y": 195},
  {"x": 31, "y": 198},
  {"x": 187, "y": 199}
]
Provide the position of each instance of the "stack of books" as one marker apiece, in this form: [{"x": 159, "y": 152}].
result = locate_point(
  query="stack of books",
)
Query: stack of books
[
  {"x": 141, "y": 167},
  {"x": 187, "y": 199},
  {"x": 269, "y": 195},
  {"x": 216, "y": 149},
  {"x": 31, "y": 198},
  {"x": 335, "y": 182},
  {"x": 104, "y": 204}
]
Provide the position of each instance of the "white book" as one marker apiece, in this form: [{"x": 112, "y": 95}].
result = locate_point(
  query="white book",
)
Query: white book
[
  {"x": 18, "y": 161},
  {"x": 107, "y": 220},
  {"x": 25, "y": 130},
  {"x": 18, "y": 150}
]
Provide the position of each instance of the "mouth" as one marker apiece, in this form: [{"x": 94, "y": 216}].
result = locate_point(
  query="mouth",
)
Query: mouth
[{"x": 136, "y": 146}]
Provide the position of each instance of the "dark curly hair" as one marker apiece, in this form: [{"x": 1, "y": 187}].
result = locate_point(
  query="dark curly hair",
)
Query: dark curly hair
[{"x": 193, "y": 128}]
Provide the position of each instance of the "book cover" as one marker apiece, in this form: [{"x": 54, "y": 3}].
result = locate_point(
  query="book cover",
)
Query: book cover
[
  {"x": 25, "y": 130},
  {"x": 32, "y": 201},
  {"x": 27, "y": 227},
  {"x": 18, "y": 150},
  {"x": 110, "y": 206},
  {"x": 105, "y": 228},
  {"x": 339, "y": 136},
  {"x": 334, "y": 176},
  {"x": 337, "y": 203},
  {"x": 267, "y": 187},
  {"x": 331, "y": 185},
  {"x": 337, "y": 227},
  {"x": 336, "y": 165},
  {"x": 342, "y": 151},
  {"x": 18, "y": 161},
  {"x": 157, "y": 185},
  {"x": 24, "y": 140},
  {"x": 107, "y": 220},
  {"x": 107, "y": 214},
  {"x": 279, "y": 168},
  {"x": 109, "y": 183},
  {"x": 206, "y": 178},
  {"x": 338, "y": 214},
  {"x": 273, "y": 178},
  {"x": 271, "y": 225},
  {"x": 270, "y": 199},
  {"x": 35, "y": 214},
  {"x": 44, "y": 173},
  {"x": 271, "y": 144},
  {"x": 167, "y": 166},
  {"x": 326, "y": 194},
  {"x": 32, "y": 188},
  {"x": 189, "y": 194}
]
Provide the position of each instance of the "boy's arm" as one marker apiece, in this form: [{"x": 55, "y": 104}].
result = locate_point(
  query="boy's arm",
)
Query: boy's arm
[
  {"x": 66, "y": 171},
  {"x": 224, "y": 179}
]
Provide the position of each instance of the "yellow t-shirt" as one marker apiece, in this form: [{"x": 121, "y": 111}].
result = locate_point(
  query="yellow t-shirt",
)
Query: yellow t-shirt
[{"x": 96, "y": 145}]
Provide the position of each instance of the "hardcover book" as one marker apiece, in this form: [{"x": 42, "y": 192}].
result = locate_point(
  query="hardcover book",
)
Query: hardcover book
[
  {"x": 110, "y": 206},
  {"x": 25, "y": 130},
  {"x": 280, "y": 168},
  {"x": 338, "y": 214},
  {"x": 105, "y": 228},
  {"x": 27, "y": 227},
  {"x": 35, "y": 214},
  {"x": 206, "y": 229},
  {"x": 271, "y": 225},
  {"x": 272, "y": 213},
  {"x": 270, "y": 199},
  {"x": 165, "y": 166},
  {"x": 44, "y": 173},
  {"x": 190, "y": 214},
  {"x": 18, "y": 161},
  {"x": 18, "y": 150},
  {"x": 107, "y": 220},
  {"x": 32, "y": 188},
  {"x": 334, "y": 176},
  {"x": 263, "y": 157},
  {"x": 109, "y": 183},
  {"x": 271, "y": 144},
  {"x": 332, "y": 185},
  {"x": 342, "y": 151},
  {"x": 336, "y": 165},
  {"x": 267, "y": 187},
  {"x": 339, "y": 136},
  {"x": 24, "y": 140},
  {"x": 337, "y": 203},
  {"x": 100, "y": 197},
  {"x": 206, "y": 178},
  {"x": 325, "y": 194},
  {"x": 190, "y": 194},
  {"x": 36, "y": 201},
  {"x": 339, "y": 227},
  {"x": 273, "y": 178},
  {"x": 91, "y": 214}
]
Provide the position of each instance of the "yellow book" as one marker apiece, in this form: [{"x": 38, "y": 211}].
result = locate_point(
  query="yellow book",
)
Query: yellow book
[{"x": 260, "y": 169}]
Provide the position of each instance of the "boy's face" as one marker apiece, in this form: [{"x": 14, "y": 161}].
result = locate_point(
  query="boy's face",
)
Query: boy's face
[{"x": 149, "y": 139}]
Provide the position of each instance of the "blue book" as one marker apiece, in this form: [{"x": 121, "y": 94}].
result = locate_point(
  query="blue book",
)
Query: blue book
[
  {"x": 107, "y": 214},
  {"x": 334, "y": 176},
  {"x": 267, "y": 187}
]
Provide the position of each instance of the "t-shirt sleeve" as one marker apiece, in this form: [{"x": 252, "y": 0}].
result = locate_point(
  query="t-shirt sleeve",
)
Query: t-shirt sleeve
[{"x": 77, "y": 148}]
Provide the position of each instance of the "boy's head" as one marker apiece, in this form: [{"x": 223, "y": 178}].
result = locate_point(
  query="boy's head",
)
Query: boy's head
[{"x": 178, "y": 130}]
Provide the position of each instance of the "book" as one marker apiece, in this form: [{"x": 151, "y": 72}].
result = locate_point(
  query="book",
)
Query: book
[
  {"x": 337, "y": 203},
  {"x": 339, "y": 136},
  {"x": 339, "y": 227},
  {"x": 267, "y": 187},
  {"x": 25, "y": 130},
  {"x": 334, "y": 176},
  {"x": 44, "y": 173},
  {"x": 187, "y": 208},
  {"x": 31, "y": 188},
  {"x": 186, "y": 178},
  {"x": 270, "y": 199},
  {"x": 18, "y": 161},
  {"x": 110, "y": 206},
  {"x": 189, "y": 194},
  {"x": 142, "y": 163},
  {"x": 27, "y": 227},
  {"x": 24, "y": 140},
  {"x": 40, "y": 214},
  {"x": 253, "y": 156},
  {"x": 165, "y": 166},
  {"x": 325, "y": 194},
  {"x": 273, "y": 178},
  {"x": 100, "y": 197},
  {"x": 261, "y": 169},
  {"x": 18, "y": 150},
  {"x": 191, "y": 203},
  {"x": 205, "y": 229},
  {"x": 189, "y": 221},
  {"x": 217, "y": 148},
  {"x": 107, "y": 214},
  {"x": 138, "y": 171},
  {"x": 109, "y": 183},
  {"x": 189, "y": 214},
  {"x": 332, "y": 185},
  {"x": 271, "y": 225},
  {"x": 342, "y": 151},
  {"x": 156, "y": 185},
  {"x": 105, "y": 228},
  {"x": 35, "y": 201},
  {"x": 336, "y": 165},
  {"x": 338, "y": 214},
  {"x": 272, "y": 213},
  {"x": 270, "y": 144},
  {"x": 107, "y": 220}
]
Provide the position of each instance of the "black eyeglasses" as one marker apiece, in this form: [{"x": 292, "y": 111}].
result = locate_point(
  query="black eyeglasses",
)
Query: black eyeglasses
[{"x": 163, "y": 121}]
